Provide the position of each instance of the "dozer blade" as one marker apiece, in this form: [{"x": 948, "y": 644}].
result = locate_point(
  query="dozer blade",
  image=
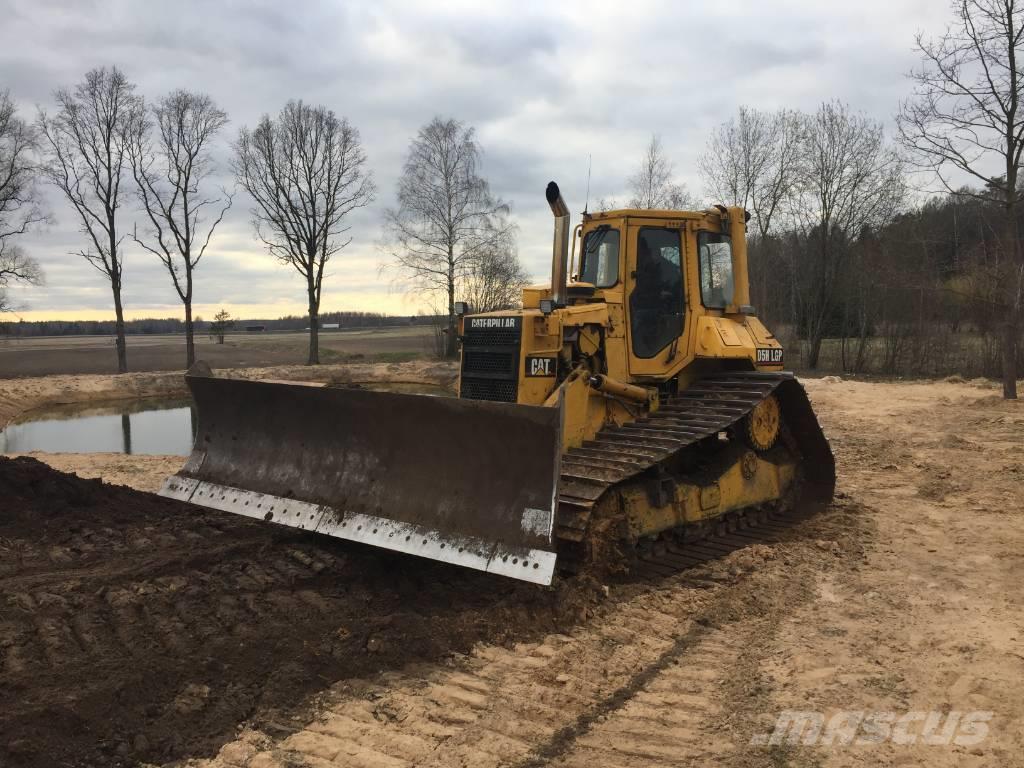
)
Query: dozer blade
[{"x": 467, "y": 482}]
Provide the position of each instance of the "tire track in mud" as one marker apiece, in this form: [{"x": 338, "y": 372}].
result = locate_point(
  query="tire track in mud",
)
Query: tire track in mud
[{"x": 646, "y": 681}]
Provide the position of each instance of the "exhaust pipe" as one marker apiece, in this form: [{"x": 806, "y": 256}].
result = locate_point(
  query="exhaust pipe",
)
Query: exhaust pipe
[
  {"x": 560, "y": 248},
  {"x": 740, "y": 269}
]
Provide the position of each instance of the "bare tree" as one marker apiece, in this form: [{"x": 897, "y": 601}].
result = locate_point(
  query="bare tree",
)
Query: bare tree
[
  {"x": 16, "y": 267},
  {"x": 852, "y": 181},
  {"x": 306, "y": 171},
  {"x": 496, "y": 280},
  {"x": 753, "y": 160},
  {"x": 447, "y": 220},
  {"x": 170, "y": 174},
  {"x": 20, "y": 206},
  {"x": 87, "y": 139},
  {"x": 652, "y": 186},
  {"x": 964, "y": 119}
]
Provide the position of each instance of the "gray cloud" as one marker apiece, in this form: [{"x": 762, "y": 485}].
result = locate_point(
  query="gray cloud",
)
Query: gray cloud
[{"x": 546, "y": 85}]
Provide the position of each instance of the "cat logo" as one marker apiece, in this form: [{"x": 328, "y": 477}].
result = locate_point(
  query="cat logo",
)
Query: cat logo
[
  {"x": 769, "y": 355},
  {"x": 540, "y": 366}
]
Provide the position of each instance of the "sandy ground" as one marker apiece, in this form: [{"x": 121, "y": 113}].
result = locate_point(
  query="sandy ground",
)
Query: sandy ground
[
  {"x": 903, "y": 599},
  {"x": 143, "y": 473},
  {"x": 902, "y": 602}
]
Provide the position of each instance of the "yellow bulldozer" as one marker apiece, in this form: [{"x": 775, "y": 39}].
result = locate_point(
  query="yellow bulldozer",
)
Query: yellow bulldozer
[{"x": 639, "y": 400}]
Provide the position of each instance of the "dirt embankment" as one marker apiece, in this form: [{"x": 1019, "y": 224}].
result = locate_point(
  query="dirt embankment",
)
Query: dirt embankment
[{"x": 21, "y": 396}]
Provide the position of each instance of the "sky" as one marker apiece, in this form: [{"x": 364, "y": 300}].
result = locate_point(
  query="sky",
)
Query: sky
[{"x": 549, "y": 87}]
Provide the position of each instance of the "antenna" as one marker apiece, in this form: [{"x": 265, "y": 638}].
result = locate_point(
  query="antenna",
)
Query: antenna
[{"x": 586, "y": 205}]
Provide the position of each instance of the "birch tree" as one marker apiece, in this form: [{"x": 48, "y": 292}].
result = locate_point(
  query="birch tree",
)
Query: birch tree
[
  {"x": 653, "y": 186},
  {"x": 447, "y": 221}
]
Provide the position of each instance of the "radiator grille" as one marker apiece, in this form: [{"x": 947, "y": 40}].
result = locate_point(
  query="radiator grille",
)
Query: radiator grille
[
  {"x": 494, "y": 337},
  {"x": 489, "y": 389},
  {"x": 475, "y": 361},
  {"x": 490, "y": 361}
]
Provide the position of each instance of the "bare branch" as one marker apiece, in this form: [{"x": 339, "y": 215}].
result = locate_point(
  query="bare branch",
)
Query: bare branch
[
  {"x": 20, "y": 207},
  {"x": 447, "y": 223},
  {"x": 306, "y": 171},
  {"x": 169, "y": 173},
  {"x": 16, "y": 267},
  {"x": 87, "y": 143},
  {"x": 754, "y": 161},
  {"x": 652, "y": 186},
  {"x": 965, "y": 117}
]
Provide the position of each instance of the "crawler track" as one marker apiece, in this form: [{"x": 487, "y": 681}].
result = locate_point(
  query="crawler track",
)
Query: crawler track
[{"x": 620, "y": 454}]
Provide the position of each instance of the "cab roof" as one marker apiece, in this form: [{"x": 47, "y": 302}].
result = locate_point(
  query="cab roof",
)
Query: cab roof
[{"x": 621, "y": 213}]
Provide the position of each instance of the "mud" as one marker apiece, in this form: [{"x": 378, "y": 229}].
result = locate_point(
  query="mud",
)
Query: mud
[{"x": 133, "y": 628}]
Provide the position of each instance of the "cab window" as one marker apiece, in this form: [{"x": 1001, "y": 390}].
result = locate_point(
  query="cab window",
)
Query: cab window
[
  {"x": 657, "y": 303},
  {"x": 600, "y": 258},
  {"x": 715, "y": 261}
]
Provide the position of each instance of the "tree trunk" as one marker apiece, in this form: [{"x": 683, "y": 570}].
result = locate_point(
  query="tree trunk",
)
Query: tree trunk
[
  {"x": 1012, "y": 318},
  {"x": 314, "y": 330},
  {"x": 190, "y": 339},
  {"x": 451, "y": 346},
  {"x": 119, "y": 341},
  {"x": 451, "y": 343},
  {"x": 1010, "y": 355},
  {"x": 813, "y": 349}
]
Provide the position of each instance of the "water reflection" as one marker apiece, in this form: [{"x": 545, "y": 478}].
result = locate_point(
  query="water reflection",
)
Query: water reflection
[{"x": 157, "y": 427}]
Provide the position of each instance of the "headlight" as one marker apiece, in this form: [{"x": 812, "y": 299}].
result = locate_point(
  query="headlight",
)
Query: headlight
[
  {"x": 547, "y": 306},
  {"x": 461, "y": 308}
]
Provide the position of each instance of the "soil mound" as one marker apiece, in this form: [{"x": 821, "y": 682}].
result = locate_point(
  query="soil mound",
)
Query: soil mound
[{"x": 138, "y": 629}]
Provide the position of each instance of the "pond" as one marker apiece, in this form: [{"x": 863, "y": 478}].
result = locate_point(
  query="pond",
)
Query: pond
[
  {"x": 152, "y": 426},
  {"x": 156, "y": 426}
]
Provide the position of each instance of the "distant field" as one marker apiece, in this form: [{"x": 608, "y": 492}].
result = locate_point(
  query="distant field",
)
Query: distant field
[{"x": 95, "y": 354}]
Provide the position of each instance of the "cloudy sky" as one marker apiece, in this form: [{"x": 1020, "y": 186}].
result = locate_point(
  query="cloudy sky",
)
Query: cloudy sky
[{"x": 545, "y": 84}]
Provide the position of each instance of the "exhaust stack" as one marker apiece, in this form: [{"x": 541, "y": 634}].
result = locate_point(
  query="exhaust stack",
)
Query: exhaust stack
[
  {"x": 740, "y": 270},
  {"x": 560, "y": 247}
]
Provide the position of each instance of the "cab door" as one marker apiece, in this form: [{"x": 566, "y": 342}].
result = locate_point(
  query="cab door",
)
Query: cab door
[{"x": 656, "y": 308}]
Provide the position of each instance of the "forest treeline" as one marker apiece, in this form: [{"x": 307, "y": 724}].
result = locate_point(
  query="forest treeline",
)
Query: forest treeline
[
  {"x": 153, "y": 326},
  {"x": 916, "y": 296}
]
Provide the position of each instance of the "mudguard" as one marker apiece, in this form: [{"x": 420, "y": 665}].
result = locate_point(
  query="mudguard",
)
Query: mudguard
[{"x": 467, "y": 482}]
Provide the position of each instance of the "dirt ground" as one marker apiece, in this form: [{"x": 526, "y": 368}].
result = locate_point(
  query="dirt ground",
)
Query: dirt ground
[
  {"x": 133, "y": 630},
  {"x": 95, "y": 354}
]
